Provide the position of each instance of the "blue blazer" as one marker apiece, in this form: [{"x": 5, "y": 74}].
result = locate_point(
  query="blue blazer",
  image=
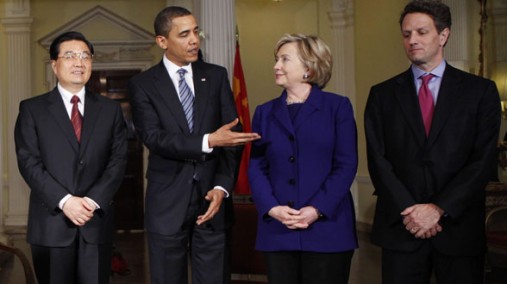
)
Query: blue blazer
[{"x": 311, "y": 161}]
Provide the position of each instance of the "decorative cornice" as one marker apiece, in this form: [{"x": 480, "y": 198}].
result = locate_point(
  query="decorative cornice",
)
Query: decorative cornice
[
  {"x": 342, "y": 15},
  {"x": 137, "y": 35},
  {"x": 13, "y": 25},
  {"x": 17, "y": 8}
]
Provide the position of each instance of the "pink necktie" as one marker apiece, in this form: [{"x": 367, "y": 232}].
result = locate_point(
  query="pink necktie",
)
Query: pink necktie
[
  {"x": 76, "y": 118},
  {"x": 426, "y": 102}
]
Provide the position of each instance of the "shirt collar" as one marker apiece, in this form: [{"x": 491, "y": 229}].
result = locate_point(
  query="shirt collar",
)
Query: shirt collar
[
  {"x": 67, "y": 96},
  {"x": 172, "y": 68},
  {"x": 437, "y": 71}
]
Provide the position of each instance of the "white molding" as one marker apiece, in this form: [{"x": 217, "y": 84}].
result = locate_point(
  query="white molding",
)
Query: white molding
[
  {"x": 17, "y": 8},
  {"x": 138, "y": 37},
  {"x": 18, "y": 43},
  {"x": 130, "y": 52}
]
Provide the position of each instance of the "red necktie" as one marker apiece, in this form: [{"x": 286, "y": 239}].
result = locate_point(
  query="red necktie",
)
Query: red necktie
[
  {"x": 426, "y": 102},
  {"x": 76, "y": 118}
]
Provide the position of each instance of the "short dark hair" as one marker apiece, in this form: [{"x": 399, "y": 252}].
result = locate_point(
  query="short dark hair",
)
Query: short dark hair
[
  {"x": 54, "y": 49},
  {"x": 163, "y": 21},
  {"x": 438, "y": 11}
]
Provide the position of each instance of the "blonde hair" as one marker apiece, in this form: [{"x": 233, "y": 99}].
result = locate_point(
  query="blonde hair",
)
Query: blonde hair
[{"x": 314, "y": 54}]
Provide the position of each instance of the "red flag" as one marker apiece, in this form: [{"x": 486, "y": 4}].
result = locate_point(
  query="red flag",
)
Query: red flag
[{"x": 240, "y": 97}]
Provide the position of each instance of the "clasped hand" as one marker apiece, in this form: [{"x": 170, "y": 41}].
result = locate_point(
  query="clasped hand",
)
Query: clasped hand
[
  {"x": 294, "y": 219},
  {"x": 421, "y": 220},
  {"x": 225, "y": 137},
  {"x": 78, "y": 210}
]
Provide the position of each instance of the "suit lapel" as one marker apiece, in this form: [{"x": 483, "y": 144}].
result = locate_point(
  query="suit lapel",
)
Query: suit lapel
[
  {"x": 447, "y": 100},
  {"x": 281, "y": 113},
  {"x": 90, "y": 117},
  {"x": 406, "y": 95},
  {"x": 201, "y": 87},
  {"x": 312, "y": 104},
  {"x": 169, "y": 96},
  {"x": 57, "y": 109}
]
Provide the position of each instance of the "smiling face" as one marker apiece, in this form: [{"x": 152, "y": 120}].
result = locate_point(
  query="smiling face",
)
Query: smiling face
[
  {"x": 182, "y": 42},
  {"x": 424, "y": 45},
  {"x": 72, "y": 73},
  {"x": 289, "y": 70}
]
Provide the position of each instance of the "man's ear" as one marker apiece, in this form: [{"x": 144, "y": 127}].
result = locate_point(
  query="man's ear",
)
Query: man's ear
[
  {"x": 161, "y": 42},
  {"x": 53, "y": 65},
  {"x": 444, "y": 36}
]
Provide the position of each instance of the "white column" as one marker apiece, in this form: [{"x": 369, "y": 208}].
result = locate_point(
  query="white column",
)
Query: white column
[
  {"x": 218, "y": 23},
  {"x": 17, "y": 25},
  {"x": 457, "y": 51},
  {"x": 342, "y": 48}
]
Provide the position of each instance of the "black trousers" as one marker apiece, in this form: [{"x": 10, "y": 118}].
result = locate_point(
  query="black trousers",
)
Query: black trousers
[
  {"x": 208, "y": 250},
  {"x": 79, "y": 263},
  {"x": 417, "y": 267},
  {"x": 299, "y": 267}
]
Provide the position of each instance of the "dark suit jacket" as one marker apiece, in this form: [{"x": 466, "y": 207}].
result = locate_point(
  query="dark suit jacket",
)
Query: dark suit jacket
[
  {"x": 176, "y": 161},
  {"x": 53, "y": 165},
  {"x": 311, "y": 161},
  {"x": 450, "y": 168}
]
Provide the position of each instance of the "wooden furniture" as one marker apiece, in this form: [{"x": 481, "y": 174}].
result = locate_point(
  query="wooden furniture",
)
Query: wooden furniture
[
  {"x": 247, "y": 264},
  {"x": 496, "y": 225},
  {"x": 27, "y": 267}
]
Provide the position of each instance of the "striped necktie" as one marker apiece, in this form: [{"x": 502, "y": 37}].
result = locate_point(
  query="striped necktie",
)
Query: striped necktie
[
  {"x": 186, "y": 98},
  {"x": 76, "y": 118}
]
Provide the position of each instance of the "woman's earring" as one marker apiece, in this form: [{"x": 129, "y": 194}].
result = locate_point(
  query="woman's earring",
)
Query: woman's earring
[{"x": 306, "y": 76}]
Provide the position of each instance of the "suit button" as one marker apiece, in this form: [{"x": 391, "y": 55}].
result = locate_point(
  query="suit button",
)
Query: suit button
[
  {"x": 292, "y": 181},
  {"x": 291, "y": 137},
  {"x": 292, "y": 159},
  {"x": 81, "y": 162}
]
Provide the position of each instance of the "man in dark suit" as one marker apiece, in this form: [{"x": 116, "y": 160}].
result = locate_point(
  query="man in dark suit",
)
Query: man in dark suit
[
  {"x": 430, "y": 162},
  {"x": 71, "y": 148},
  {"x": 184, "y": 112}
]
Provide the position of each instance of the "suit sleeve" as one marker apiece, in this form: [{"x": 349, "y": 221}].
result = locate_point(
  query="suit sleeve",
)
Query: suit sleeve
[
  {"x": 106, "y": 186},
  {"x": 386, "y": 183},
  {"x": 258, "y": 168},
  {"x": 336, "y": 186},
  {"x": 30, "y": 164},
  {"x": 470, "y": 181},
  {"x": 168, "y": 143}
]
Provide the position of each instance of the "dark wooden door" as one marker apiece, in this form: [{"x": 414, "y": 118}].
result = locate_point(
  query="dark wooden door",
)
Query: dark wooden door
[{"x": 129, "y": 200}]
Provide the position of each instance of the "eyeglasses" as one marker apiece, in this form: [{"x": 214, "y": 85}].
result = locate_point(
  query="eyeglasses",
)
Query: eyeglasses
[{"x": 70, "y": 55}]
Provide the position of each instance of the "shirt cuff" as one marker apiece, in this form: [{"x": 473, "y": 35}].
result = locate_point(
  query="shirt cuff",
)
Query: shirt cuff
[
  {"x": 62, "y": 202},
  {"x": 205, "y": 144},
  {"x": 89, "y": 200},
  {"x": 222, "y": 189}
]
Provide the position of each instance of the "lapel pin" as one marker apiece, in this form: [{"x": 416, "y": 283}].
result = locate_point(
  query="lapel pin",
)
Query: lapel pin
[{"x": 203, "y": 79}]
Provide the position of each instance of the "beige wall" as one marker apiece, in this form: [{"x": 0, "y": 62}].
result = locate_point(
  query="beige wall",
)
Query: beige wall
[
  {"x": 379, "y": 56},
  {"x": 260, "y": 25},
  {"x": 52, "y": 14},
  {"x": 378, "y": 48}
]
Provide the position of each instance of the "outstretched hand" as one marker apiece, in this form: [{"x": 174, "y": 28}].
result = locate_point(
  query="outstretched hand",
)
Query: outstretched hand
[
  {"x": 215, "y": 197},
  {"x": 225, "y": 137}
]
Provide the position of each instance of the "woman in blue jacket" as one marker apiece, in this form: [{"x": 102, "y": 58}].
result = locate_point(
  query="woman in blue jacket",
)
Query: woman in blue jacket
[{"x": 302, "y": 168}]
